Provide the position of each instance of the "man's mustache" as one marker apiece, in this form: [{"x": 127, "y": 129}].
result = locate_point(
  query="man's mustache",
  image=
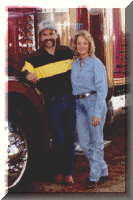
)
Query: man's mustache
[{"x": 52, "y": 40}]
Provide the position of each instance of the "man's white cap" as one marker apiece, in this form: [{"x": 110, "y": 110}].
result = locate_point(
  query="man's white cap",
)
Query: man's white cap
[{"x": 47, "y": 25}]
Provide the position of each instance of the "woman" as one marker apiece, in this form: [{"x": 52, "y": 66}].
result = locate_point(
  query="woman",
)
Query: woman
[{"x": 89, "y": 83}]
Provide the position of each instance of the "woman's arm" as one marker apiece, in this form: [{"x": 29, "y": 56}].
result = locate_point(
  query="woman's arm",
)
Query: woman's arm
[{"x": 101, "y": 87}]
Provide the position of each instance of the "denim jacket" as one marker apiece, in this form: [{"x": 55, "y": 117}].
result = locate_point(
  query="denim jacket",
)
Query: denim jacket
[{"x": 90, "y": 76}]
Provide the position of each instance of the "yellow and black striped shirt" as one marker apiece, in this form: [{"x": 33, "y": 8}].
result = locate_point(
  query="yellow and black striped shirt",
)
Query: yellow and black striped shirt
[{"x": 53, "y": 71}]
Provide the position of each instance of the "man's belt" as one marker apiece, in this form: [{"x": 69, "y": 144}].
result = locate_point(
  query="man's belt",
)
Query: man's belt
[
  {"x": 82, "y": 96},
  {"x": 56, "y": 96}
]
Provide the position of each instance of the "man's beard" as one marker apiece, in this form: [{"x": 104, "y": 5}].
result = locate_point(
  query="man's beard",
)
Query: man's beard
[{"x": 45, "y": 41}]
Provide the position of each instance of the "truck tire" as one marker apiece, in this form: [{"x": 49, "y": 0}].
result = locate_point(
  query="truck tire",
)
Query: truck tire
[{"x": 20, "y": 161}]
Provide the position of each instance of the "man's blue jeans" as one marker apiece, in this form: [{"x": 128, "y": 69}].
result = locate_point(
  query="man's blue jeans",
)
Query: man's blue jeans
[
  {"x": 90, "y": 137},
  {"x": 61, "y": 112}
]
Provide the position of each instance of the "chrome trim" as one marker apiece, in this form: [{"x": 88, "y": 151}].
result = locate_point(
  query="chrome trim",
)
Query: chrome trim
[{"x": 17, "y": 159}]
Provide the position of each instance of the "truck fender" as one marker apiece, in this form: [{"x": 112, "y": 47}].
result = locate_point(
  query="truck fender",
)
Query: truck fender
[{"x": 23, "y": 88}]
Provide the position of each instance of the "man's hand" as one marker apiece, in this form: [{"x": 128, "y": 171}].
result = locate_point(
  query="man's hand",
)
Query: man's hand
[
  {"x": 96, "y": 121},
  {"x": 32, "y": 77}
]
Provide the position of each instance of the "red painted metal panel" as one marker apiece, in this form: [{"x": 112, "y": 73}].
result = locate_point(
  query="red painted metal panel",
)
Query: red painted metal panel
[
  {"x": 19, "y": 87},
  {"x": 82, "y": 18},
  {"x": 119, "y": 48}
]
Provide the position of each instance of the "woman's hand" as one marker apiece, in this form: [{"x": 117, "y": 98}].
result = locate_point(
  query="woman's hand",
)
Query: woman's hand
[{"x": 96, "y": 121}]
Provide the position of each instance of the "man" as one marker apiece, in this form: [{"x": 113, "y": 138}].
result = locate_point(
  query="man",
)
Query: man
[{"x": 50, "y": 69}]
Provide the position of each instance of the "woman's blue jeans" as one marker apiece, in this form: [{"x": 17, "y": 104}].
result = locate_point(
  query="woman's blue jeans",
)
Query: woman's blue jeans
[
  {"x": 90, "y": 137},
  {"x": 61, "y": 112}
]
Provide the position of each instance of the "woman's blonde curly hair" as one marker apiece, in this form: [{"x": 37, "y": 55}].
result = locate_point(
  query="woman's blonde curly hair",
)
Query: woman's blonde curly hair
[{"x": 88, "y": 36}]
